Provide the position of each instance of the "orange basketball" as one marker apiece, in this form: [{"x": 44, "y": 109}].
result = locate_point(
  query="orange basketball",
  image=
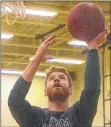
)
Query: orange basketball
[{"x": 85, "y": 21}]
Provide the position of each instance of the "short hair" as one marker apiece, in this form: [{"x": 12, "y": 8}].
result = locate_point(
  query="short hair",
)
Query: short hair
[{"x": 52, "y": 69}]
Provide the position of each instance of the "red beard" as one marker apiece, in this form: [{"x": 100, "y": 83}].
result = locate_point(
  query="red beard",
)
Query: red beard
[{"x": 57, "y": 93}]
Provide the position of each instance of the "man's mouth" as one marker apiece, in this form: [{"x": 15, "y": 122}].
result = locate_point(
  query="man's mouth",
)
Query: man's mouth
[{"x": 57, "y": 85}]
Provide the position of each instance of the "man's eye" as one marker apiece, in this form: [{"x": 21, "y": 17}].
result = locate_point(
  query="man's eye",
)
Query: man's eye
[
  {"x": 62, "y": 77},
  {"x": 51, "y": 78}
]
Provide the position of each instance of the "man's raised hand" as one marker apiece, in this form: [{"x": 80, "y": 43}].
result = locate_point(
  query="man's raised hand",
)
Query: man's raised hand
[{"x": 40, "y": 55}]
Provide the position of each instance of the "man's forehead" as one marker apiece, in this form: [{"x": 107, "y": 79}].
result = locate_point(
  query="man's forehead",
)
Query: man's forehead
[{"x": 57, "y": 73}]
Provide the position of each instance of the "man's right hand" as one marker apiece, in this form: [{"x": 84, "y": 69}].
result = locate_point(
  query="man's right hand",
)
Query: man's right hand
[{"x": 40, "y": 55}]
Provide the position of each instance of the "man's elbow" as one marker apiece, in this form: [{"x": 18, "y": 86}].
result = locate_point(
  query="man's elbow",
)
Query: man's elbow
[{"x": 10, "y": 101}]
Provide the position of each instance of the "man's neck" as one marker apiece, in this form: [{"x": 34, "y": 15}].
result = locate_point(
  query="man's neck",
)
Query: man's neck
[{"x": 58, "y": 105}]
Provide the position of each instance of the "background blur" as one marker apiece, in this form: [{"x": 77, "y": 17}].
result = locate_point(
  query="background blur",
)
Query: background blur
[{"x": 27, "y": 33}]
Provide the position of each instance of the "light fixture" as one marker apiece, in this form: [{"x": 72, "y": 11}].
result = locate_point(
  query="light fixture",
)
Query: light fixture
[
  {"x": 40, "y": 12},
  {"x": 78, "y": 43},
  {"x": 6, "y": 36},
  {"x": 20, "y": 72},
  {"x": 34, "y": 12},
  {"x": 66, "y": 61}
]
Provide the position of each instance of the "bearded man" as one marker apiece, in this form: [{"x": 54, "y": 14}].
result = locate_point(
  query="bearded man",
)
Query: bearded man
[{"x": 58, "y": 88}]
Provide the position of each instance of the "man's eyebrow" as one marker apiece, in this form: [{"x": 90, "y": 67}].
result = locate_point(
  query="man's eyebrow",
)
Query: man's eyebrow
[
  {"x": 63, "y": 75},
  {"x": 59, "y": 75},
  {"x": 51, "y": 75}
]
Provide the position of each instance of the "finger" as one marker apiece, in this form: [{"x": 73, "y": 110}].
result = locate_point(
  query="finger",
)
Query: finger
[
  {"x": 50, "y": 38},
  {"x": 100, "y": 35},
  {"x": 45, "y": 46},
  {"x": 106, "y": 25},
  {"x": 50, "y": 42},
  {"x": 105, "y": 34},
  {"x": 106, "y": 28},
  {"x": 97, "y": 37}
]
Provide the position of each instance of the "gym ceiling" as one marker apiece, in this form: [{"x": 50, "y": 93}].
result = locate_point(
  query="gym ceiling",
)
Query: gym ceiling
[{"x": 31, "y": 31}]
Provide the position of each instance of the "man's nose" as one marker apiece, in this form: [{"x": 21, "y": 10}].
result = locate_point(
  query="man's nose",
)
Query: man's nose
[{"x": 56, "y": 79}]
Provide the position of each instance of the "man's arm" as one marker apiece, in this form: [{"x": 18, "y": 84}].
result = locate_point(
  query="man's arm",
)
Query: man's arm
[
  {"x": 87, "y": 107},
  {"x": 89, "y": 98},
  {"x": 20, "y": 108}
]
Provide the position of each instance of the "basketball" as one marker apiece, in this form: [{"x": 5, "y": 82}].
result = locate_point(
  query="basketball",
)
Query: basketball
[{"x": 85, "y": 21}]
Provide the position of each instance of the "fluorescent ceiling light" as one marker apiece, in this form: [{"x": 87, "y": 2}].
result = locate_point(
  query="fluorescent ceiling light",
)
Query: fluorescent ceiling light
[
  {"x": 34, "y": 12},
  {"x": 78, "y": 43},
  {"x": 6, "y": 36},
  {"x": 20, "y": 72},
  {"x": 40, "y": 12},
  {"x": 40, "y": 74},
  {"x": 66, "y": 61}
]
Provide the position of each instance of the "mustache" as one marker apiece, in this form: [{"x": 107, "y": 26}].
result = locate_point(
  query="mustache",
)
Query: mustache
[{"x": 57, "y": 85}]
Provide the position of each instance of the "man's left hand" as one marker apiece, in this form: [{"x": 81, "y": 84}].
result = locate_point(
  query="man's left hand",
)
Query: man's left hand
[{"x": 96, "y": 41}]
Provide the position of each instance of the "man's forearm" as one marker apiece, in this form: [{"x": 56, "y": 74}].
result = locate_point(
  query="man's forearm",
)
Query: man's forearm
[
  {"x": 90, "y": 95},
  {"x": 30, "y": 70},
  {"x": 92, "y": 73}
]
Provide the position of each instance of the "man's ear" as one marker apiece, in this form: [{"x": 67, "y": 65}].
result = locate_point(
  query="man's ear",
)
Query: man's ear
[
  {"x": 45, "y": 92},
  {"x": 70, "y": 90}
]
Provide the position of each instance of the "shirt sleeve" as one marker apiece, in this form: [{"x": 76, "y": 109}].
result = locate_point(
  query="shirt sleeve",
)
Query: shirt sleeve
[
  {"x": 87, "y": 106},
  {"x": 20, "y": 108}
]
